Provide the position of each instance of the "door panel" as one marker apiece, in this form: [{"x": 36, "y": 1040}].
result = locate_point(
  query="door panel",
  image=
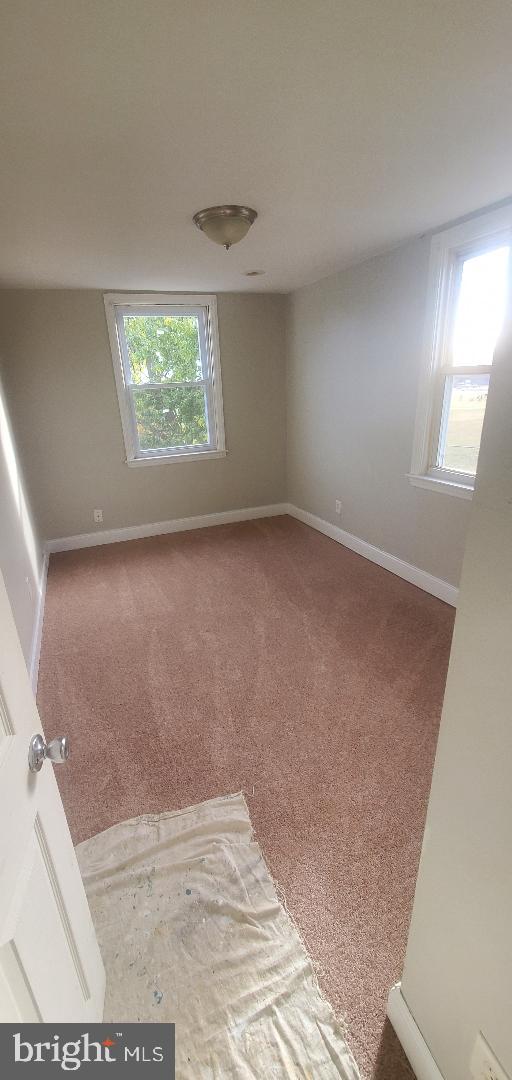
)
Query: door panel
[{"x": 50, "y": 965}]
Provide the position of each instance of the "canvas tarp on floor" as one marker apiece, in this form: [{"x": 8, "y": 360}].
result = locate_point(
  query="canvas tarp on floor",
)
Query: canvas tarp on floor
[{"x": 192, "y": 931}]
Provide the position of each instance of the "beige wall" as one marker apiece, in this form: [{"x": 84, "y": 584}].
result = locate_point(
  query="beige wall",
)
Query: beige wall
[
  {"x": 60, "y": 385},
  {"x": 20, "y": 549},
  {"x": 458, "y": 970},
  {"x": 354, "y": 355}
]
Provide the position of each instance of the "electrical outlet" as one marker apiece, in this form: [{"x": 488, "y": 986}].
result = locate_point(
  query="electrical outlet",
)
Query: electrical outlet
[
  {"x": 484, "y": 1065},
  {"x": 338, "y": 506},
  {"x": 98, "y": 516}
]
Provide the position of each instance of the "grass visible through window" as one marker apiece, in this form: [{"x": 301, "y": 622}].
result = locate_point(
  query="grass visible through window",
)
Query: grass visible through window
[{"x": 466, "y": 410}]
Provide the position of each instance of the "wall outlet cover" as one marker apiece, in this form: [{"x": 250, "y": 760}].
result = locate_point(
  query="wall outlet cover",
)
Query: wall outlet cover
[
  {"x": 98, "y": 516},
  {"x": 338, "y": 506},
  {"x": 484, "y": 1065}
]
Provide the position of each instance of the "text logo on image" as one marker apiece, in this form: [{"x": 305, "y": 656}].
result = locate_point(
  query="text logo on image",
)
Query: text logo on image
[{"x": 142, "y": 1050}]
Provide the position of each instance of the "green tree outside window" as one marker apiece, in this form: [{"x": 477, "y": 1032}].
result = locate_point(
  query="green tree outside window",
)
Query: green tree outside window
[{"x": 166, "y": 349}]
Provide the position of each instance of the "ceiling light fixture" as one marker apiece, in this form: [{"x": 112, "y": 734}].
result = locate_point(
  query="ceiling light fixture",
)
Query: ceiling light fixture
[{"x": 225, "y": 225}]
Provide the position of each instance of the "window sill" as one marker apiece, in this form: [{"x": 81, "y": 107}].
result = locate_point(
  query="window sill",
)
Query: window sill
[
  {"x": 447, "y": 487},
  {"x": 168, "y": 459}
]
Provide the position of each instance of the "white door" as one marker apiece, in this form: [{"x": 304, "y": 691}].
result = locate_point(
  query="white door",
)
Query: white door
[{"x": 50, "y": 965}]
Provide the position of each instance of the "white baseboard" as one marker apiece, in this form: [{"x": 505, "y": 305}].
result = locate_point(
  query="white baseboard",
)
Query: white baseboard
[
  {"x": 436, "y": 586},
  {"x": 157, "y": 528},
  {"x": 409, "y": 1035},
  {"x": 35, "y": 651}
]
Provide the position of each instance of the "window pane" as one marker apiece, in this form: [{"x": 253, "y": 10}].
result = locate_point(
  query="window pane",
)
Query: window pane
[
  {"x": 163, "y": 347},
  {"x": 464, "y": 409},
  {"x": 172, "y": 417},
  {"x": 480, "y": 307}
]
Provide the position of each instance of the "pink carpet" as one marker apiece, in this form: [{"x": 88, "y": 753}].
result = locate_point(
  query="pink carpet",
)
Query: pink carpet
[{"x": 262, "y": 656}]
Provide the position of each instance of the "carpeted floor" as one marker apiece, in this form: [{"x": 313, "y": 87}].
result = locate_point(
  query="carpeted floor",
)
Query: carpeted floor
[{"x": 262, "y": 656}]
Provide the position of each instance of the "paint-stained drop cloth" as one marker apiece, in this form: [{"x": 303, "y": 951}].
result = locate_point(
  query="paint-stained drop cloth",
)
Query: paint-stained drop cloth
[{"x": 192, "y": 931}]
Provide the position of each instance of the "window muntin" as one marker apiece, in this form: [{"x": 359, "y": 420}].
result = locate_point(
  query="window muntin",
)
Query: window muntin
[{"x": 168, "y": 377}]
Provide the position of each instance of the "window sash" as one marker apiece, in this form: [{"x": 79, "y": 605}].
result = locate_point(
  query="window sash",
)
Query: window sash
[
  {"x": 177, "y": 310},
  {"x": 181, "y": 448},
  {"x": 457, "y": 257},
  {"x": 440, "y": 421},
  {"x": 202, "y": 314}
]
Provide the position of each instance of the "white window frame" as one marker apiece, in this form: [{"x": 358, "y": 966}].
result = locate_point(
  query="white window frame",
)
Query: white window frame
[
  {"x": 203, "y": 305},
  {"x": 448, "y": 250}
]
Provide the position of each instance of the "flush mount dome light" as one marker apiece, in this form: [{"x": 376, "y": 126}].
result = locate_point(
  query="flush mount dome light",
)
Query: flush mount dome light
[{"x": 225, "y": 225}]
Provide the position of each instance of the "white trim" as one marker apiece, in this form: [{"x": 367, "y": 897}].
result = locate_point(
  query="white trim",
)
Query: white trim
[
  {"x": 115, "y": 305},
  {"x": 409, "y": 1035},
  {"x": 487, "y": 224},
  {"x": 35, "y": 651},
  {"x": 163, "y": 459},
  {"x": 155, "y": 299},
  {"x": 136, "y": 532},
  {"x": 436, "y": 586},
  {"x": 445, "y": 487}
]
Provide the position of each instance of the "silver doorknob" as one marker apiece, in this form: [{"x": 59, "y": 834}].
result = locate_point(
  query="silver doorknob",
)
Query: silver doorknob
[{"x": 57, "y": 751}]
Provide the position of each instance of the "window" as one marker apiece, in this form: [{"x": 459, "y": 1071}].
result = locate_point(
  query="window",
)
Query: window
[
  {"x": 167, "y": 369},
  {"x": 469, "y": 276}
]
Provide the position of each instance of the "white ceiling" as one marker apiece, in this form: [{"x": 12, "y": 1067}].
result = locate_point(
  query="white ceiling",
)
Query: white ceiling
[{"x": 350, "y": 125}]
